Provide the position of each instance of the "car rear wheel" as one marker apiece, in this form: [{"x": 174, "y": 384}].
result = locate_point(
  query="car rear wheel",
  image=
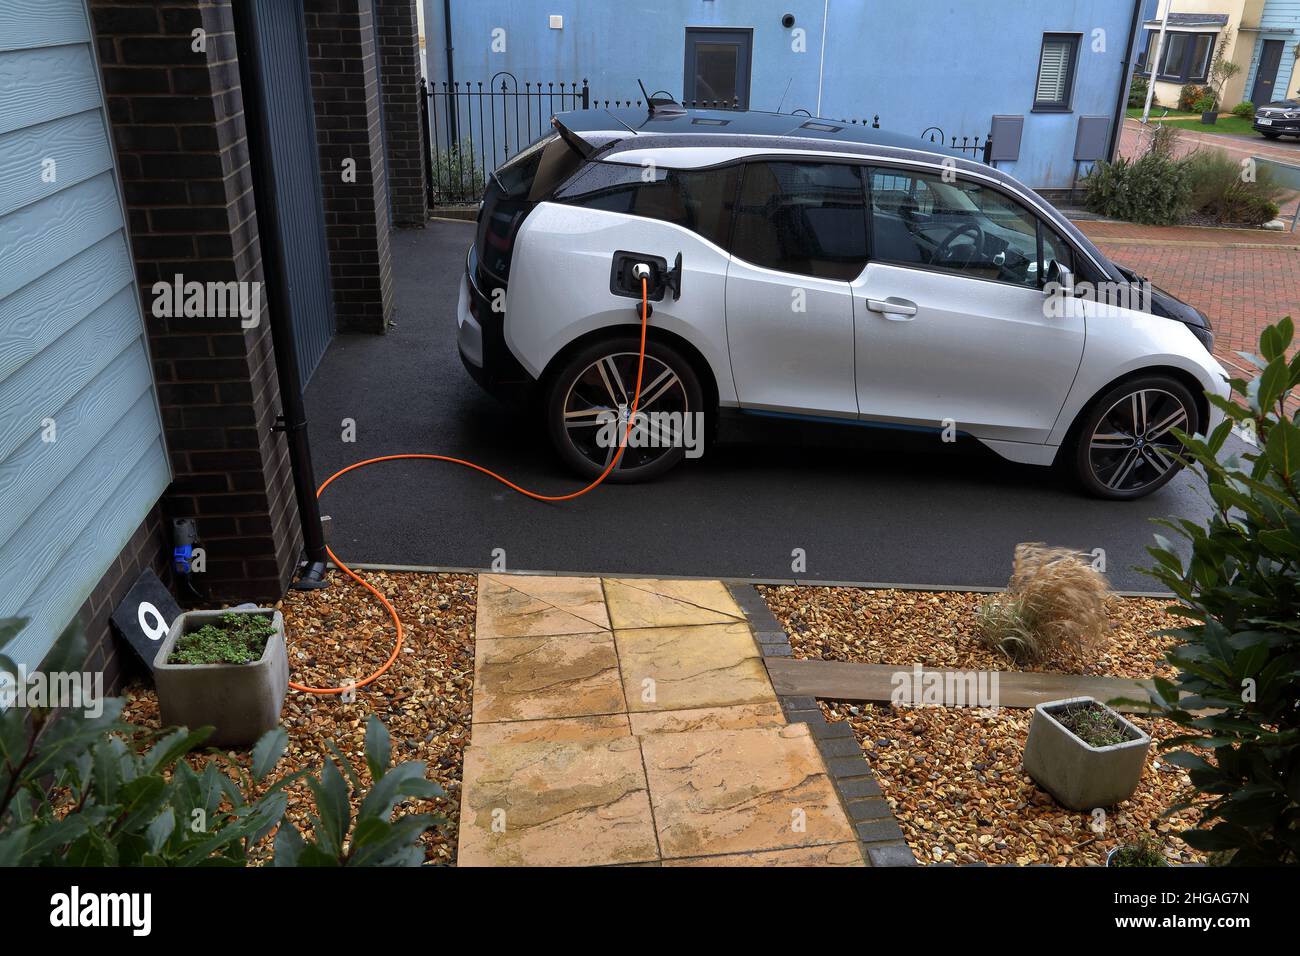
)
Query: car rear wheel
[
  {"x": 589, "y": 400},
  {"x": 1125, "y": 447}
]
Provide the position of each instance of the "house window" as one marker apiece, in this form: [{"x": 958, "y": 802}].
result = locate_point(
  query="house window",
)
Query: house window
[
  {"x": 1056, "y": 66},
  {"x": 1186, "y": 57}
]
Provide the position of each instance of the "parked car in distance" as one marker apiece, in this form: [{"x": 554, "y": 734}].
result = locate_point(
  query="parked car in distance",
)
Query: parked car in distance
[
  {"x": 1281, "y": 118},
  {"x": 825, "y": 271}
]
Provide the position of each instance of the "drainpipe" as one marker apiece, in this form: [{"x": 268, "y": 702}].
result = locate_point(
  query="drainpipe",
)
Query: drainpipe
[
  {"x": 1121, "y": 104},
  {"x": 451, "y": 71},
  {"x": 293, "y": 417}
]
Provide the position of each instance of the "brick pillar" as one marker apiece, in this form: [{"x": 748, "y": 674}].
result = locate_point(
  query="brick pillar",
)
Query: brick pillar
[
  {"x": 178, "y": 126},
  {"x": 399, "y": 78},
  {"x": 345, "y": 86}
]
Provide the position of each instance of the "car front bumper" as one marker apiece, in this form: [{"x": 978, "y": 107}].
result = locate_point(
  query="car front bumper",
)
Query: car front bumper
[{"x": 1289, "y": 127}]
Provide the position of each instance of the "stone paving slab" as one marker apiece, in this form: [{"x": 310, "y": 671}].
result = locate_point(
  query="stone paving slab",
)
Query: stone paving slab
[
  {"x": 675, "y": 668},
  {"x": 559, "y": 730},
  {"x": 547, "y": 804},
  {"x": 736, "y": 717},
  {"x": 834, "y": 854},
  {"x": 515, "y": 605},
  {"x": 566, "y": 675},
  {"x": 737, "y": 791},
  {"x": 650, "y": 602}
]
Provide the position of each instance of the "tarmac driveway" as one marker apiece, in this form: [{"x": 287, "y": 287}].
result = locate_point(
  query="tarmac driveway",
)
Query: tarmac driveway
[{"x": 889, "y": 509}]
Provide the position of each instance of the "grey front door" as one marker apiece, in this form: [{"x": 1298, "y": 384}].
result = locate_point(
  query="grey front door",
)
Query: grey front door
[
  {"x": 717, "y": 67},
  {"x": 1266, "y": 76}
]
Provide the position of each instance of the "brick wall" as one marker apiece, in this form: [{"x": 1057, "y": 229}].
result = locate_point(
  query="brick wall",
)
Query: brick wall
[
  {"x": 178, "y": 128},
  {"x": 399, "y": 78},
  {"x": 345, "y": 86},
  {"x": 148, "y": 548}
]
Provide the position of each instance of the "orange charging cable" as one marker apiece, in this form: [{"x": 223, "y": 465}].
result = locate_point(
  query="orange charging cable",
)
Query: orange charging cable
[{"x": 392, "y": 611}]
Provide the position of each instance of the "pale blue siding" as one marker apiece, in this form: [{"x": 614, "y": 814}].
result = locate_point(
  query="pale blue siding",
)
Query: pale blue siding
[
  {"x": 1279, "y": 20},
  {"x": 72, "y": 346}
]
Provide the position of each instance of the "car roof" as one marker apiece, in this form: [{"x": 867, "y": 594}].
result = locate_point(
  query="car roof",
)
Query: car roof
[{"x": 803, "y": 131}]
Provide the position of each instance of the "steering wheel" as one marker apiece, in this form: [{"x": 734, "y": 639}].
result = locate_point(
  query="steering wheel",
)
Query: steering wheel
[{"x": 944, "y": 253}]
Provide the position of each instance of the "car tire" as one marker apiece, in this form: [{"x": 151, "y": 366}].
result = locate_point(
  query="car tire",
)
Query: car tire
[
  {"x": 1121, "y": 444},
  {"x": 582, "y": 415}
]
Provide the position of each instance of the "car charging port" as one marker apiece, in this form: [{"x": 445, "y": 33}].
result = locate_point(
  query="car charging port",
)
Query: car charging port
[{"x": 626, "y": 272}]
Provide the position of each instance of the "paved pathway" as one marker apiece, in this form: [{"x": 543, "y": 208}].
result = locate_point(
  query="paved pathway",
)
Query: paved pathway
[{"x": 633, "y": 722}]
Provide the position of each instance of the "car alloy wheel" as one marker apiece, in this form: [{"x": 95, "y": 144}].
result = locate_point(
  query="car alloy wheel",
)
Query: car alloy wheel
[
  {"x": 1132, "y": 448},
  {"x": 591, "y": 399}
]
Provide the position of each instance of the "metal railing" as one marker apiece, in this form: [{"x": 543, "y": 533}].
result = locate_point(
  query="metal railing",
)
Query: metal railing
[{"x": 474, "y": 127}]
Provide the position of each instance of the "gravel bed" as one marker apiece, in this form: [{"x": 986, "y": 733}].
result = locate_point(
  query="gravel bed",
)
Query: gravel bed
[
  {"x": 953, "y": 779},
  {"x": 424, "y": 699},
  {"x": 937, "y": 629}
]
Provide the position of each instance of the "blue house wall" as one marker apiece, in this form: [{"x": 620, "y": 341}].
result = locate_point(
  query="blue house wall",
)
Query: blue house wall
[{"x": 947, "y": 63}]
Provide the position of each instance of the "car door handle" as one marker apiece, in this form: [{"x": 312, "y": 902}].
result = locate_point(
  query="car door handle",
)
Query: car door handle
[{"x": 895, "y": 309}]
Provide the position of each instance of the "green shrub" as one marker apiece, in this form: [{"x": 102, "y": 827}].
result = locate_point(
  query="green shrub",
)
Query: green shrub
[
  {"x": 1245, "y": 108},
  {"x": 1145, "y": 852},
  {"x": 1238, "y": 664},
  {"x": 235, "y": 639},
  {"x": 1206, "y": 104},
  {"x": 458, "y": 173},
  {"x": 1219, "y": 187},
  {"x": 1189, "y": 94},
  {"x": 1152, "y": 190},
  {"x": 96, "y": 791},
  {"x": 1137, "y": 93}
]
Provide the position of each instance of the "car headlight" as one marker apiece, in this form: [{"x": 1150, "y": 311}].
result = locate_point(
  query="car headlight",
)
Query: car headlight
[{"x": 1293, "y": 114}]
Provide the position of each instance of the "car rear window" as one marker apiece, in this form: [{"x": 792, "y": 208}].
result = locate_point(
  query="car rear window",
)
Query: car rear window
[
  {"x": 517, "y": 185},
  {"x": 701, "y": 200}
]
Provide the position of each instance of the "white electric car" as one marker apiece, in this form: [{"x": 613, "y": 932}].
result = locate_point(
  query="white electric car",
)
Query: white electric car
[{"x": 802, "y": 267}]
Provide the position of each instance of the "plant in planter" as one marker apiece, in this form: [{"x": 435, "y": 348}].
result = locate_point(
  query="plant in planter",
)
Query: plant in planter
[
  {"x": 1221, "y": 71},
  {"x": 1145, "y": 851},
  {"x": 1208, "y": 107},
  {"x": 1083, "y": 753},
  {"x": 91, "y": 791},
  {"x": 224, "y": 669}
]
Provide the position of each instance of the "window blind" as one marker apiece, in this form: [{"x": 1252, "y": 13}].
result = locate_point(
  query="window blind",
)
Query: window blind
[{"x": 1053, "y": 72}]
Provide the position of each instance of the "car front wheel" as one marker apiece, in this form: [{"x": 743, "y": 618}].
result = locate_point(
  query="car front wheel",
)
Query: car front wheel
[
  {"x": 1125, "y": 447},
  {"x": 589, "y": 401}
]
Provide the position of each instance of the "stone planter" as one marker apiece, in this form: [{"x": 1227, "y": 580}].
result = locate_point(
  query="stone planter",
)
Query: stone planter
[
  {"x": 240, "y": 701},
  {"x": 1209, "y": 117},
  {"x": 1080, "y": 776}
]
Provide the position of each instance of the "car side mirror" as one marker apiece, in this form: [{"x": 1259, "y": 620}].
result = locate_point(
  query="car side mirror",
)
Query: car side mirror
[{"x": 1063, "y": 277}]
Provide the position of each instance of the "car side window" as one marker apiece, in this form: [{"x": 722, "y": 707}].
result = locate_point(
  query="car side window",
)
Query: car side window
[
  {"x": 701, "y": 200},
  {"x": 805, "y": 218},
  {"x": 919, "y": 219}
]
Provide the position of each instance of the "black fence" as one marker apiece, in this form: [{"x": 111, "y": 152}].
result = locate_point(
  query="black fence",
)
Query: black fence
[
  {"x": 978, "y": 149},
  {"x": 474, "y": 127}
]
